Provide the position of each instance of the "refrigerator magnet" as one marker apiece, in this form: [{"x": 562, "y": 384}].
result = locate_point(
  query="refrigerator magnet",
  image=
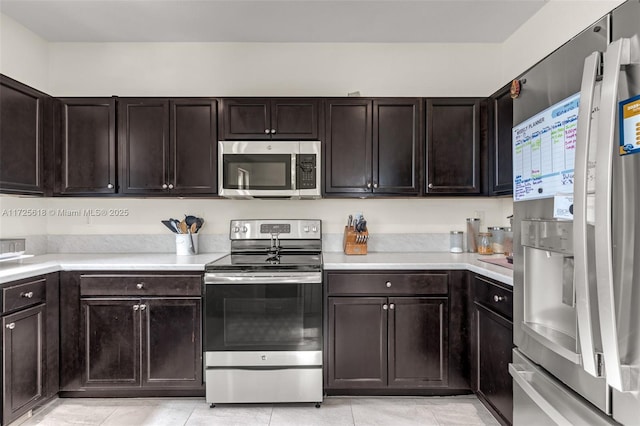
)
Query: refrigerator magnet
[{"x": 629, "y": 113}]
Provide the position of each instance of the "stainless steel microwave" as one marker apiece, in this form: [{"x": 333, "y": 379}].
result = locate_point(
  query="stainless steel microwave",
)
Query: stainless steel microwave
[{"x": 269, "y": 169}]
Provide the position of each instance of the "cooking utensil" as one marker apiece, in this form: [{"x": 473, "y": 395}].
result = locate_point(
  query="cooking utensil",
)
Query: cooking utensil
[
  {"x": 190, "y": 219},
  {"x": 193, "y": 228},
  {"x": 199, "y": 223},
  {"x": 175, "y": 223},
  {"x": 192, "y": 249},
  {"x": 183, "y": 227},
  {"x": 169, "y": 225}
]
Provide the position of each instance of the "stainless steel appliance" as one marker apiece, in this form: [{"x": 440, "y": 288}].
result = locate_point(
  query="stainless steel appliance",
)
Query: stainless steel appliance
[
  {"x": 269, "y": 169},
  {"x": 263, "y": 314},
  {"x": 576, "y": 279}
]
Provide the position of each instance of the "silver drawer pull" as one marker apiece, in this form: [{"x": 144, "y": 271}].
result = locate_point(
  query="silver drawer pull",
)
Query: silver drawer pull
[
  {"x": 136, "y": 307},
  {"x": 143, "y": 307},
  {"x": 140, "y": 286},
  {"x": 497, "y": 298},
  {"x": 27, "y": 295},
  {"x": 11, "y": 326},
  {"x": 392, "y": 306},
  {"x": 388, "y": 283},
  {"x": 385, "y": 307}
]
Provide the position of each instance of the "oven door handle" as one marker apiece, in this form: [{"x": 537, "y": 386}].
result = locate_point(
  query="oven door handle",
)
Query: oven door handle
[{"x": 263, "y": 278}]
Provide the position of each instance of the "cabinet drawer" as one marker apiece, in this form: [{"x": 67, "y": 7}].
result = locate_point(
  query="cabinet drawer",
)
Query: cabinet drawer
[
  {"x": 24, "y": 294},
  {"x": 140, "y": 285},
  {"x": 387, "y": 283},
  {"x": 494, "y": 297}
]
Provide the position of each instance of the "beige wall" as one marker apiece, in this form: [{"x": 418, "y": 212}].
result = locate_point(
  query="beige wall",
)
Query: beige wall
[
  {"x": 23, "y": 55},
  {"x": 143, "y": 216}
]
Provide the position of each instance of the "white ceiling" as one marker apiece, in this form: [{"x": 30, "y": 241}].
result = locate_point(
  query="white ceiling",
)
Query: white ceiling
[{"x": 396, "y": 21}]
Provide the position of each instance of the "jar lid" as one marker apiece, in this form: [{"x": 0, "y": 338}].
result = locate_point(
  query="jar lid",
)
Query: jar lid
[
  {"x": 507, "y": 229},
  {"x": 485, "y": 234},
  {"x": 495, "y": 228},
  {"x": 473, "y": 219},
  {"x": 456, "y": 232}
]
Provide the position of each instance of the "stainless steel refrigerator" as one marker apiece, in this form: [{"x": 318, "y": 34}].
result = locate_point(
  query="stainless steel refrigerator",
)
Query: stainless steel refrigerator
[{"x": 577, "y": 224}]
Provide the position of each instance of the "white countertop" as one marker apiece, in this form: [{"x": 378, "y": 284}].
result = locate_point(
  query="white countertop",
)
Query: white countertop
[
  {"x": 36, "y": 265},
  {"x": 418, "y": 261}
]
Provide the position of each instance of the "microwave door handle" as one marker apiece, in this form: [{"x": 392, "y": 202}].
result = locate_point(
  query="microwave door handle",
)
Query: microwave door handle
[
  {"x": 583, "y": 297},
  {"x": 619, "y": 376},
  {"x": 243, "y": 178},
  {"x": 294, "y": 171}
]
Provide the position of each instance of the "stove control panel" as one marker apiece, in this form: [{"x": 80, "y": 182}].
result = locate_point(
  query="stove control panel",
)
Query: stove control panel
[{"x": 286, "y": 229}]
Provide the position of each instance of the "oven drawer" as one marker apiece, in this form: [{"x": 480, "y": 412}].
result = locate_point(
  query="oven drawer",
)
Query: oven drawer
[
  {"x": 387, "y": 283},
  {"x": 493, "y": 297},
  {"x": 22, "y": 295},
  {"x": 140, "y": 285}
]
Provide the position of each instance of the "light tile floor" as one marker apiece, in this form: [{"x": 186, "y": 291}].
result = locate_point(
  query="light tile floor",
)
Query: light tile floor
[{"x": 396, "y": 411}]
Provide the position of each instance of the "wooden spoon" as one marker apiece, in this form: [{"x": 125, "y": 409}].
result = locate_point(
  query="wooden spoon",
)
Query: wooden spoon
[
  {"x": 183, "y": 227},
  {"x": 193, "y": 228}
]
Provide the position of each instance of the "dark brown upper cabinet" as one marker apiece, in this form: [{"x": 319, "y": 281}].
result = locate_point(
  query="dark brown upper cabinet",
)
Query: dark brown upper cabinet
[
  {"x": 501, "y": 154},
  {"x": 453, "y": 146},
  {"x": 167, "y": 147},
  {"x": 86, "y": 150},
  {"x": 373, "y": 146},
  {"x": 264, "y": 118},
  {"x": 22, "y": 116}
]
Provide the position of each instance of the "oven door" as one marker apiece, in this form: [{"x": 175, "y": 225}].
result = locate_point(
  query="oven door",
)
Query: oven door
[
  {"x": 263, "y": 311},
  {"x": 257, "y": 169}
]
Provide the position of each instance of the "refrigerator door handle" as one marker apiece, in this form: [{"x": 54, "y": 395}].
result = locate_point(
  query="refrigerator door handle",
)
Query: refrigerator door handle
[
  {"x": 581, "y": 269},
  {"x": 620, "y": 377},
  {"x": 524, "y": 379}
]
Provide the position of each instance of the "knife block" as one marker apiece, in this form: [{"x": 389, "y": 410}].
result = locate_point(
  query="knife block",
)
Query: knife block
[{"x": 349, "y": 244}]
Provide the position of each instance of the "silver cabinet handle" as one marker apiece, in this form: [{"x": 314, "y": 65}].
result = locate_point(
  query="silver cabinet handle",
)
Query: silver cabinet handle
[
  {"x": 27, "y": 295},
  {"x": 375, "y": 185},
  {"x": 11, "y": 326},
  {"x": 392, "y": 306},
  {"x": 267, "y": 131},
  {"x": 143, "y": 307},
  {"x": 497, "y": 298},
  {"x": 368, "y": 184},
  {"x": 140, "y": 286},
  {"x": 385, "y": 307},
  {"x": 388, "y": 284},
  {"x": 273, "y": 131},
  {"x": 164, "y": 186},
  {"x": 430, "y": 186},
  {"x": 170, "y": 186},
  {"x": 110, "y": 186},
  {"x": 136, "y": 307}
]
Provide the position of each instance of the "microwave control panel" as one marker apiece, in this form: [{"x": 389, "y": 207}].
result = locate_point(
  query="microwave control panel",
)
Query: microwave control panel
[{"x": 306, "y": 171}]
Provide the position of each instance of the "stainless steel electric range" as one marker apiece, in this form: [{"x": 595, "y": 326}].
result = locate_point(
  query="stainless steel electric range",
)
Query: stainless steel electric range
[{"x": 263, "y": 314}]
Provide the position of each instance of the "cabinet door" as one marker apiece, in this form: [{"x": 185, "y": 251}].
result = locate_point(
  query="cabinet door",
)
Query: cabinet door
[
  {"x": 172, "y": 347},
  {"x": 87, "y": 147},
  {"x": 245, "y": 119},
  {"x": 501, "y": 146},
  {"x": 357, "y": 342},
  {"x": 143, "y": 128},
  {"x": 193, "y": 146},
  {"x": 348, "y": 148},
  {"x": 110, "y": 331},
  {"x": 294, "y": 119},
  {"x": 22, "y": 355},
  {"x": 418, "y": 349},
  {"x": 396, "y": 146},
  {"x": 21, "y": 138},
  {"x": 494, "y": 340},
  {"x": 453, "y": 146}
]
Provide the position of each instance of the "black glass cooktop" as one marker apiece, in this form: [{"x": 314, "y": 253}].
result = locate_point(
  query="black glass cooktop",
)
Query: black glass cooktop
[{"x": 267, "y": 261}]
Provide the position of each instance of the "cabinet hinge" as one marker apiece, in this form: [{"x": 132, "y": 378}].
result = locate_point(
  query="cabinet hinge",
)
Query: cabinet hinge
[{"x": 599, "y": 364}]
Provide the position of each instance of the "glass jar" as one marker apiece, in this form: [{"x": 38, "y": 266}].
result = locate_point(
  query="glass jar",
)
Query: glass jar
[
  {"x": 473, "y": 227},
  {"x": 484, "y": 243},
  {"x": 508, "y": 242},
  {"x": 455, "y": 241},
  {"x": 497, "y": 242}
]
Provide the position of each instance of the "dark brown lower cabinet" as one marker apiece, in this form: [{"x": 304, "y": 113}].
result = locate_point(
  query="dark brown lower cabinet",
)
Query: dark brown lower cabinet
[
  {"x": 493, "y": 337},
  {"x": 131, "y": 334},
  {"x": 391, "y": 333},
  {"x": 23, "y": 344}
]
